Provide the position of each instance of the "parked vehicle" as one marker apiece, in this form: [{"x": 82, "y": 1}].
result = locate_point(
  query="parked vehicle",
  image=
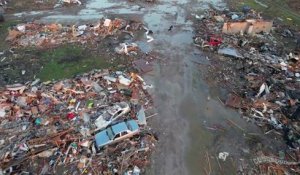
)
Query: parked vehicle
[
  {"x": 116, "y": 133},
  {"x": 112, "y": 114}
]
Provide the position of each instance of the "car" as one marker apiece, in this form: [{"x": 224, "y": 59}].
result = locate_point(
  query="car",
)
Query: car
[
  {"x": 113, "y": 113},
  {"x": 116, "y": 133}
]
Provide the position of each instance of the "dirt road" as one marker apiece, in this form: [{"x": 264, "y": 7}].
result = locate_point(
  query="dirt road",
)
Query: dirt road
[{"x": 193, "y": 123}]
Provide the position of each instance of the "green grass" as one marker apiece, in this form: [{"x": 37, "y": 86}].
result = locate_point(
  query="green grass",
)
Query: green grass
[
  {"x": 4, "y": 32},
  {"x": 276, "y": 8},
  {"x": 29, "y": 5},
  {"x": 67, "y": 61}
]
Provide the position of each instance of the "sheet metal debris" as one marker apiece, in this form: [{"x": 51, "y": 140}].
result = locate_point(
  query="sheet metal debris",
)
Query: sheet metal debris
[{"x": 230, "y": 52}]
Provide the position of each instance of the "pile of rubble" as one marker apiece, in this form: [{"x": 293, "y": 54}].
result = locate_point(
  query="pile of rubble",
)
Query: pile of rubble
[
  {"x": 59, "y": 127},
  {"x": 61, "y": 3},
  {"x": 46, "y": 35},
  {"x": 261, "y": 73},
  {"x": 71, "y": 2}
]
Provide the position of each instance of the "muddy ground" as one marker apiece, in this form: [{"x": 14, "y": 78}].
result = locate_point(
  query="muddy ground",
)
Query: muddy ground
[
  {"x": 193, "y": 124},
  {"x": 294, "y": 4}
]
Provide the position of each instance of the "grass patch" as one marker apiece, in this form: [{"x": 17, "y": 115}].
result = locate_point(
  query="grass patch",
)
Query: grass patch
[
  {"x": 4, "y": 32},
  {"x": 29, "y": 5},
  {"x": 67, "y": 61},
  {"x": 276, "y": 8}
]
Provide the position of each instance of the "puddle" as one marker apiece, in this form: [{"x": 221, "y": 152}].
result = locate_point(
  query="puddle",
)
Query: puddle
[
  {"x": 93, "y": 11},
  {"x": 28, "y": 13},
  {"x": 70, "y": 19},
  {"x": 218, "y": 4},
  {"x": 144, "y": 46},
  {"x": 97, "y": 4}
]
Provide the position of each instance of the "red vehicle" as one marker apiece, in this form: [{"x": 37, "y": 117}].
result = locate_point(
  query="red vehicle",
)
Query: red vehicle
[{"x": 214, "y": 40}]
